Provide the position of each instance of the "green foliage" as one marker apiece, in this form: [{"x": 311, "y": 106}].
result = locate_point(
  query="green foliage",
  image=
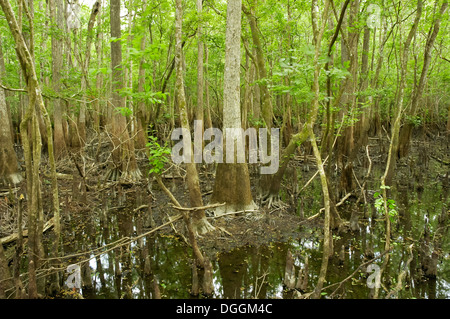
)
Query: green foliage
[
  {"x": 414, "y": 120},
  {"x": 254, "y": 122},
  {"x": 125, "y": 111},
  {"x": 337, "y": 74},
  {"x": 158, "y": 155},
  {"x": 285, "y": 32},
  {"x": 380, "y": 201},
  {"x": 147, "y": 96},
  {"x": 300, "y": 74}
]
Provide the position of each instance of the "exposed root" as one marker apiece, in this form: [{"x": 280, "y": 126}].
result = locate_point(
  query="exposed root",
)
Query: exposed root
[
  {"x": 115, "y": 174},
  {"x": 272, "y": 201},
  {"x": 15, "y": 179},
  {"x": 203, "y": 226},
  {"x": 131, "y": 175},
  {"x": 230, "y": 208}
]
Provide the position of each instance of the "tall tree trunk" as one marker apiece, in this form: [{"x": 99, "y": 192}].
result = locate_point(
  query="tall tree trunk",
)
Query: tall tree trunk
[
  {"x": 207, "y": 104},
  {"x": 346, "y": 143},
  {"x": 200, "y": 77},
  {"x": 375, "y": 114},
  {"x": 232, "y": 183},
  {"x": 393, "y": 147},
  {"x": 406, "y": 130},
  {"x": 141, "y": 123},
  {"x": 29, "y": 124},
  {"x": 85, "y": 69},
  {"x": 123, "y": 155},
  {"x": 57, "y": 20},
  {"x": 3, "y": 76},
  {"x": 99, "y": 77},
  {"x": 266, "y": 100},
  {"x": 318, "y": 32},
  {"x": 9, "y": 170},
  {"x": 267, "y": 107},
  {"x": 299, "y": 138},
  {"x": 363, "y": 128},
  {"x": 200, "y": 223}
]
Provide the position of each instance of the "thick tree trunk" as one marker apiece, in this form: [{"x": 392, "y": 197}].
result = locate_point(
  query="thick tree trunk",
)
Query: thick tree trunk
[
  {"x": 32, "y": 151},
  {"x": 232, "y": 183},
  {"x": 31, "y": 154}
]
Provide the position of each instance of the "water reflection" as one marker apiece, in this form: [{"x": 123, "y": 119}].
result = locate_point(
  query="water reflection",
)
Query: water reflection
[{"x": 160, "y": 266}]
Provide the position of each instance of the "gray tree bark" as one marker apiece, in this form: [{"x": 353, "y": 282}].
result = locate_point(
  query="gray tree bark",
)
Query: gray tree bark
[{"x": 232, "y": 183}]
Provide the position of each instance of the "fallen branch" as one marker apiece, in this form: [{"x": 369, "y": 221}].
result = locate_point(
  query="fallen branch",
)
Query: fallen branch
[
  {"x": 186, "y": 219},
  {"x": 139, "y": 208},
  {"x": 13, "y": 237},
  {"x": 118, "y": 243},
  {"x": 337, "y": 205},
  {"x": 363, "y": 194},
  {"x": 343, "y": 199},
  {"x": 325, "y": 160}
]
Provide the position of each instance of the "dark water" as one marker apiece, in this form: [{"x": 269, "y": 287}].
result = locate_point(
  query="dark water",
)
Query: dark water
[{"x": 258, "y": 272}]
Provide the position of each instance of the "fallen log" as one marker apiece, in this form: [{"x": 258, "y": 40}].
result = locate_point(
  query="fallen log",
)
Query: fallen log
[{"x": 13, "y": 237}]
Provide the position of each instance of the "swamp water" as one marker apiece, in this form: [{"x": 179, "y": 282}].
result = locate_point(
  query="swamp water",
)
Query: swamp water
[{"x": 258, "y": 271}]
